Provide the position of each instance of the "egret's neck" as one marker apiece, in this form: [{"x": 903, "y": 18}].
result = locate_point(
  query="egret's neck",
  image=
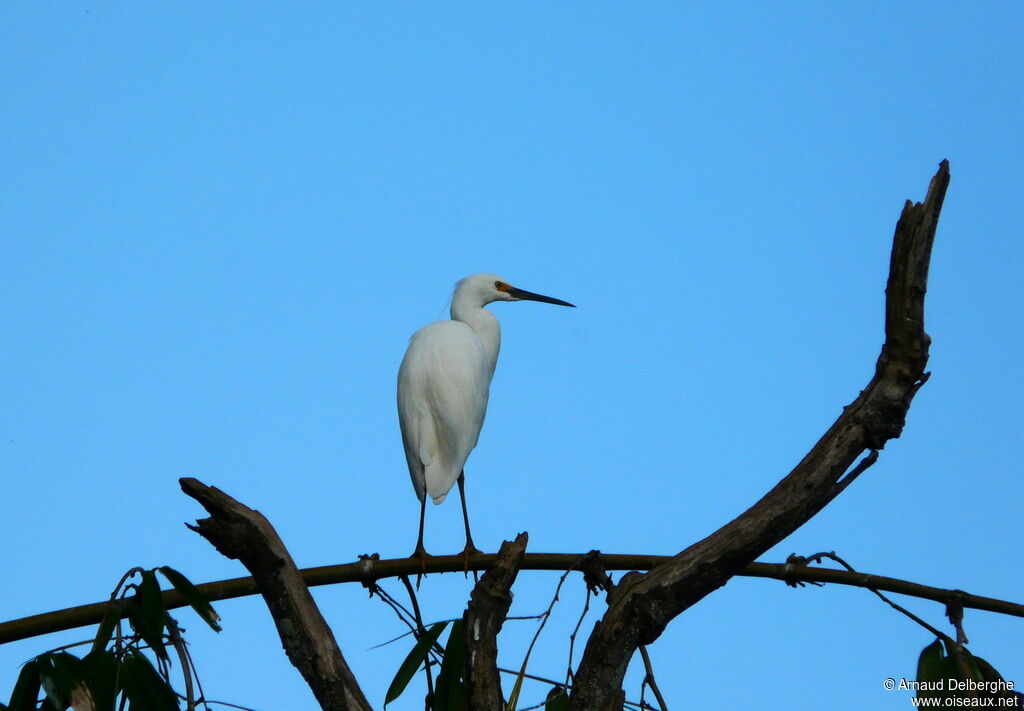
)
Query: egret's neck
[{"x": 483, "y": 323}]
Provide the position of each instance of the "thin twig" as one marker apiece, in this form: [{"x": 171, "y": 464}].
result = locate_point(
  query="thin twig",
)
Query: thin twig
[
  {"x": 532, "y": 677},
  {"x": 552, "y": 682},
  {"x": 403, "y": 615},
  {"x": 112, "y": 604},
  {"x": 195, "y": 675},
  {"x": 544, "y": 615},
  {"x": 174, "y": 632},
  {"x": 421, "y": 630},
  {"x": 395, "y": 601},
  {"x": 234, "y": 706},
  {"x": 953, "y": 646},
  {"x": 649, "y": 679},
  {"x": 575, "y": 631},
  {"x": 861, "y": 467},
  {"x": 818, "y": 557},
  {"x": 65, "y": 646}
]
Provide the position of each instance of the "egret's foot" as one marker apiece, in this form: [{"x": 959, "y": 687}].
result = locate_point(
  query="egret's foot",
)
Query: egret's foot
[
  {"x": 469, "y": 550},
  {"x": 422, "y": 554}
]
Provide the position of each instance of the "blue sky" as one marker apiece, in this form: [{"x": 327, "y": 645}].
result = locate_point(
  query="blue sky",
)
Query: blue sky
[{"x": 220, "y": 223}]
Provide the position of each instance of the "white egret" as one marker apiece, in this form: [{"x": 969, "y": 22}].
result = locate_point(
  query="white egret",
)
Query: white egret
[{"x": 443, "y": 386}]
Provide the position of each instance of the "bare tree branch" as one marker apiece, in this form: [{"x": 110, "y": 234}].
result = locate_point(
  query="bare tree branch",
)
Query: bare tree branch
[
  {"x": 72, "y": 617},
  {"x": 650, "y": 680},
  {"x": 642, "y": 605},
  {"x": 242, "y": 533},
  {"x": 482, "y": 621}
]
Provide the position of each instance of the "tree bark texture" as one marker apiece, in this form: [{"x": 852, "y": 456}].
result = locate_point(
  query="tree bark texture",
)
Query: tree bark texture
[
  {"x": 488, "y": 606},
  {"x": 242, "y": 533},
  {"x": 641, "y": 606}
]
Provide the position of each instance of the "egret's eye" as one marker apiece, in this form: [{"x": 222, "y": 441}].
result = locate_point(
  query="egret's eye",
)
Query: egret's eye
[{"x": 500, "y": 285}]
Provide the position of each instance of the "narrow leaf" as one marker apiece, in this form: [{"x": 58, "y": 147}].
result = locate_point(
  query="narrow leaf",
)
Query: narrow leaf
[
  {"x": 144, "y": 687},
  {"x": 106, "y": 628},
  {"x": 142, "y": 627},
  {"x": 933, "y": 667},
  {"x": 955, "y": 670},
  {"x": 417, "y": 656},
  {"x": 146, "y": 613},
  {"x": 59, "y": 675},
  {"x": 557, "y": 700},
  {"x": 26, "y": 688},
  {"x": 513, "y": 698},
  {"x": 100, "y": 670},
  {"x": 193, "y": 596},
  {"x": 449, "y": 694},
  {"x": 929, "y": 662},
  {"x": 152, "y": 601}
]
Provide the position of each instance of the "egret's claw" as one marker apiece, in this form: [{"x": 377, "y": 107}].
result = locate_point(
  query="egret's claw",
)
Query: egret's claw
[
  {"x": 422, "y": 554},
  {"x": 469, "y": 550}
]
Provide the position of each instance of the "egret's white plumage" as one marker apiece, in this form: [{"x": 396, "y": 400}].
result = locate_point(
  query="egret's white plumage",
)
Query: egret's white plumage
[
  {"x": 442, "y": 400},
  {"x": 443, "y": 386}
]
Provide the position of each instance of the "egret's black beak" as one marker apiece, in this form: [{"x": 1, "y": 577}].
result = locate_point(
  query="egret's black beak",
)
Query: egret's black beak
[{"x": 530, "y": 296}]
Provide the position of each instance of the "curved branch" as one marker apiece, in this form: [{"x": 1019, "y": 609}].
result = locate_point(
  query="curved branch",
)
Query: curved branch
[
  {"x": 643, "y": 604},
  {"x": 240, "y": 532}
]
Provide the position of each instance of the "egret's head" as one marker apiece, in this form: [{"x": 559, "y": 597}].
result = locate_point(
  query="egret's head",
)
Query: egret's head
[{"x": 491, "y": 287}]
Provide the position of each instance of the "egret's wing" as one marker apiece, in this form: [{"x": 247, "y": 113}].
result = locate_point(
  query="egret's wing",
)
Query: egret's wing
[
  {"x": 442, "y": 399},
  {"x": 410, "y": 415}
]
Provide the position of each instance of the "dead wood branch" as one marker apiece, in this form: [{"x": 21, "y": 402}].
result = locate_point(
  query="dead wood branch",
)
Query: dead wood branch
[
  {"x": 244, "y": 534},
  {"x": 482, "y": 621},
  {"x": 643, "y": 604}
]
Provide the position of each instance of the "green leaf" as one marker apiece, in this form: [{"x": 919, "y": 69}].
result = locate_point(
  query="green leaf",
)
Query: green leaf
[
  {"x": 26, "y": 688},
  {"x": 987, "y": 671},
  {"x": 928, "y": 663},
  {"x": 144, "y": 687},
  {"x": 100, "y": 670},
  {"x": 513, "y": 698},
  {"x": 59, "y": 674},
  {"x": 973, "y": 673},
  {"x": 557, "y": 700},
  {"x": 146, "y": 613},
  {"x": 417, "y": 656},
  {"x": 933, "y": 667},
  {"x": 193, "y": 596},
  {"x": 449, "y": 693}
]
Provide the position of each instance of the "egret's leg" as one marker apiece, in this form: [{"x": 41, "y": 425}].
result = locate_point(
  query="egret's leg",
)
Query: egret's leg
[
  {"x": 420, "y": 551},
  {"x": 470, "y": 549}
]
